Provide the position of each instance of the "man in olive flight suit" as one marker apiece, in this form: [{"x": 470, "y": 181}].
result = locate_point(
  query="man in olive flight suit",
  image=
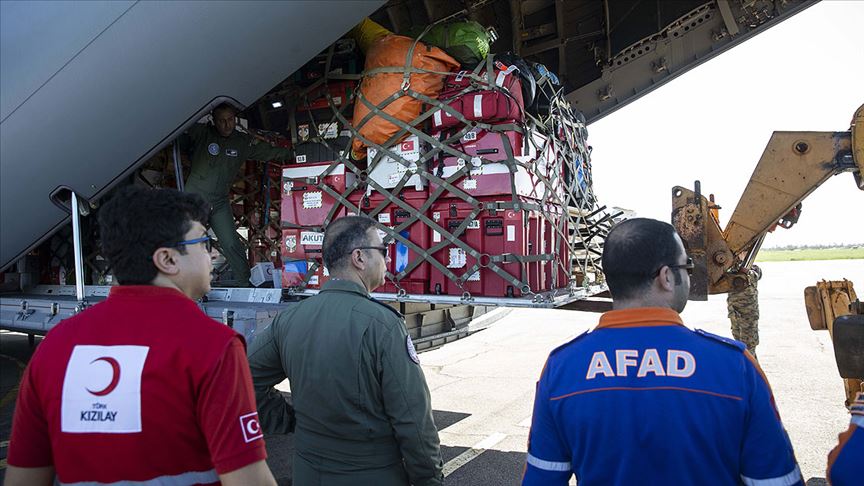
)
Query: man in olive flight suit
[
  {"x": 362, "y": 407},
  {"x": 217, "y": 152}
]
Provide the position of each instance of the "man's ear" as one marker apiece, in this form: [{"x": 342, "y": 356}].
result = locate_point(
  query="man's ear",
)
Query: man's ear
[
  {"x": 165, "y": 262},
  {"x": 667, "y": 279},
  {"x": 357, "y": 260}
]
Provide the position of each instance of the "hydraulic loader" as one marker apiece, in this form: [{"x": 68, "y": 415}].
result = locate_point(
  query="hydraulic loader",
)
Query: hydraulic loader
[{"x": 792, "y": 166}]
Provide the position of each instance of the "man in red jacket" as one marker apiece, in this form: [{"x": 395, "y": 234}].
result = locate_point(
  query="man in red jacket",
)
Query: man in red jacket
[{"x": 142, "y": 387}]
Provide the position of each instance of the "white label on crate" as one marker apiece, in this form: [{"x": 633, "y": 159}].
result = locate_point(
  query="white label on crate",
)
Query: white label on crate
[
  {"x": 511, "y": 232},
  {"x": 478, "y": 106},
  {"x": 300, "y": 159},
  {"x": 476, "y": 162},
  {"x": 474, "y": 224},
  {"x": 475, "y": 277},
  {"x": 470, "y": 136},
  {"x": 395, "y": 177},
  {"x": 291, "y": 243},
  {"x": 384, "y": 218},
  {"x": 312, "y": 199},
  {"x": 311, "y": 238},
  {"x": 436, "y": 216},
  {"x": 313, "y": 280},
  {"x": 460, "y": 75},
  {"x": 457, "y": 258},
  {"x": 337, "y": 100},
  {"x": 436, "y": 118},
  {"x": 328, "y": 130},
  {"x": 436, "y": 237},
  {"x": 469, "y": 184},
  {"x": 460, "y": 162}
]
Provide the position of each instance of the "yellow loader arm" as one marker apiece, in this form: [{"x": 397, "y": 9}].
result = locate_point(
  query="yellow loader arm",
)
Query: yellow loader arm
[{"x": 793, "y": 165}]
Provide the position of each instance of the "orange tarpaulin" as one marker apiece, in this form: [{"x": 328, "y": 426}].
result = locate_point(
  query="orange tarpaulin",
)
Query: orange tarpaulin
[{"x": 391, "y": 52}]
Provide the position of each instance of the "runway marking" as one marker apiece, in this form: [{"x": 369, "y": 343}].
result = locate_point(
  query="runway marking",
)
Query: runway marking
[{"x": 472, "y": 453}]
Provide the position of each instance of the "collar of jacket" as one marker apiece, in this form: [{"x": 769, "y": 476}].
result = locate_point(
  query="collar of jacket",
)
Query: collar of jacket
[
  {"x": 144, "y": 292},
  {"x": 640, "y": 317},
  {"x": 344, "y": 286}
]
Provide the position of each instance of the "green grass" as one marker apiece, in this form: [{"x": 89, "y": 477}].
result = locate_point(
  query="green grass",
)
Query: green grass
[{"x": 810, "y": 254}]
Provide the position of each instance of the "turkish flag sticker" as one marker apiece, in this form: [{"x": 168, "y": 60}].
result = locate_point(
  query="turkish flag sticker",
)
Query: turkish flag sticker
[
  {"x": 407, "y": 146},
  {"x": 251, "y": 427}
]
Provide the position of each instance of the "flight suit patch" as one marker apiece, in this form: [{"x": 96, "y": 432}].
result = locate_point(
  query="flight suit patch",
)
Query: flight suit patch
[
  {"x": 231, "y": 152},
  {"x": 213, "y": 149},
  {"x": 412, "y": 353}
]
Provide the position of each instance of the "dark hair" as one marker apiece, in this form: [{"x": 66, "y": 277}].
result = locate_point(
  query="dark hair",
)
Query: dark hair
[
  {"x": 223, "y": 107},
  {"x": 136, "y": 222},
  {"x": 633, "y": 252},
  {"x": 344, "y": 235}
]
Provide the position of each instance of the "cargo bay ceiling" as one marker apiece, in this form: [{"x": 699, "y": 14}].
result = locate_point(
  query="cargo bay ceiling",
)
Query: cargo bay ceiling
[{"x": 606, "y": 52}]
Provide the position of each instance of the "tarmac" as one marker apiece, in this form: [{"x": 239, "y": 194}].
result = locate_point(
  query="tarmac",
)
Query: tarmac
[{"x": 483, "y": 385}]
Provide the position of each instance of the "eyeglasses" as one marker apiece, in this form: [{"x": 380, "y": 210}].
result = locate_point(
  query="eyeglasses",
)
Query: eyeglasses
[
  {"x": 208, "y": 242},
  {"x": 385, "y": 250},
  {"x": 687, "y": 266}
]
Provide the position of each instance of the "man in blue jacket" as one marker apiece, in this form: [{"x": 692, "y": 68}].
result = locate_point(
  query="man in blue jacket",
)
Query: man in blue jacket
[{"x": 642, "y": 399}]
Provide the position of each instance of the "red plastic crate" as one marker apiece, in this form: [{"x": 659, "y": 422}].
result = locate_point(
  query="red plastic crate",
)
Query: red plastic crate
[
  {"x": 487, "y": 177},
  {"x": 304, "y": 201},
  {"x": 506, "y": 231},
  {"x": 417, "y": 280},
  {"x": 301, "y": 243},
  {"x": 341, "y": 92}
]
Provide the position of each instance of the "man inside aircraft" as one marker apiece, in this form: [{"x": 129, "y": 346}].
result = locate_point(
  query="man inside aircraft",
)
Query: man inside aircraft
[{"x": 218, "y": 151}]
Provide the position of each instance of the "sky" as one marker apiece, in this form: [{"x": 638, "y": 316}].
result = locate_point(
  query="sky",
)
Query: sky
[{"x": 713, "y": 123}]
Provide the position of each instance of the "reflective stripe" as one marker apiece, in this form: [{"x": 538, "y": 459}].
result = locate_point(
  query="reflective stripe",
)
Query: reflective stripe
[
  {"x": 788, "y": 480},
  {"x": 499, "y": 80},
  {"x": 182, "y": 479},
  {"x": 858, "y": 420},
  {"x": 548, "y": 465},
  {"x": 478, "y": 105}
]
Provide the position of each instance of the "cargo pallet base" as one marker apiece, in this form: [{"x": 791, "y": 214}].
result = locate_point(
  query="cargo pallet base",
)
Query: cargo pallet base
[
  {"x": 544, "y": 300},
  {"x": 432, "y": 321}
]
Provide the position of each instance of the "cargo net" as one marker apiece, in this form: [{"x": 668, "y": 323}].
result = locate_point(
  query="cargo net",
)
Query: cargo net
[{"x": 469, "y": 203}]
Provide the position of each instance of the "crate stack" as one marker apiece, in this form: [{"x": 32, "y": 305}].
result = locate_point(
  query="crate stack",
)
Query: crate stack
[{"x": 476, "y": 196}]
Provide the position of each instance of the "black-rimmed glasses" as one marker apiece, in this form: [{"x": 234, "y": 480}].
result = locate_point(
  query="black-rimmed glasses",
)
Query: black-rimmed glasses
[
  {"x": 383, "y": 249},
  {"x": 686, "y": 266},
  {"x": 208, "y": 243}
]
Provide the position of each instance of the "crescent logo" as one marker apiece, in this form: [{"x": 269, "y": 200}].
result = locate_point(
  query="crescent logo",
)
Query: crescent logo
[
  {"x": 251, "y": 427},
  {"x": 115, "y": 376}
]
